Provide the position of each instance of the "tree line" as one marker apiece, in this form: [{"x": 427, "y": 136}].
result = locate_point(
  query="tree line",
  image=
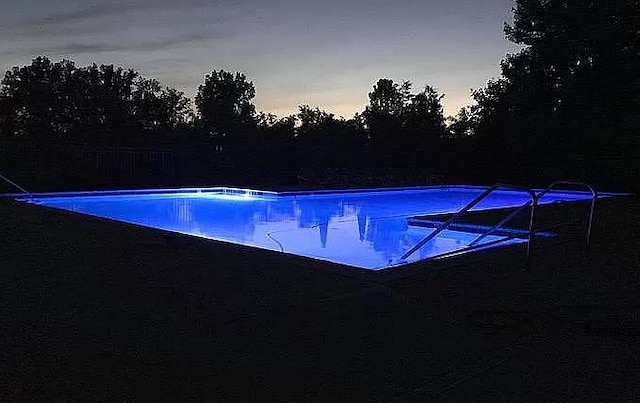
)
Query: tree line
[{"x": 565, "y": 106}]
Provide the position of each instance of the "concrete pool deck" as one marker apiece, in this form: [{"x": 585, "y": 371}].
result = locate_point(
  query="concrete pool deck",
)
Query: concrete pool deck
[{"x": 93, "y": 309}]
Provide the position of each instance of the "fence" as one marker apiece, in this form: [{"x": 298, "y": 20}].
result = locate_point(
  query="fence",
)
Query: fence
[
  {"x": 80, "y": 166},
  {"x": 83, "y": 167}
]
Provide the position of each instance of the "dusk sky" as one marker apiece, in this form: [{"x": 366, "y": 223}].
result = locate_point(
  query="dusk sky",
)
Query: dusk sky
[{"x": 324, "y": 53}]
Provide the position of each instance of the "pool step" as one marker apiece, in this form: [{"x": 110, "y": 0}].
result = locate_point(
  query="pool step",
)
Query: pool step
[
  {"x": 481, "y": 221},
  {"x": 468, "y": 227},
  {"x": 457, "y": 241}
]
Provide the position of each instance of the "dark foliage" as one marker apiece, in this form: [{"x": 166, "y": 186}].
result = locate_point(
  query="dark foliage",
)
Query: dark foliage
[
  {"x": 406, "y": 130},
  {"x": 48, "y": 102},
  {"x": 225, "y": 105},
  {"x": 565, "y": 106}
]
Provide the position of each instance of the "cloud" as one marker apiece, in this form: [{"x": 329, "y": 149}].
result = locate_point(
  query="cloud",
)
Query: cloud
[
  {"x": 92, "y": 12},
  {"x": 105, "y": 10},
  {"x": 145, "y": 46},
  {"x": 76, "y": 48},
  {"x": 105, "y": 20},
  {"x": 95, "y": 11}
]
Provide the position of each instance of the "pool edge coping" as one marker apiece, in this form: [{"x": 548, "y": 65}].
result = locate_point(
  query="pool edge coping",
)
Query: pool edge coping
[{"x": 230, "y": 190}]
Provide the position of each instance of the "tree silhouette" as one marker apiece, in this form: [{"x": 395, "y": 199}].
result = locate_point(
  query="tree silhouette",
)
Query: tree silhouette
[
  {"x": 313, "y": 119},
  {"x": 424, "y": 124},
  {"x": 383, "y": 117},
  {"x": 35, "y": 101},
  {"x": 265, "y": 120},
  {"x": 403, "y": 126},
  {"x": 47, "y": 101},
  {"x": 463, "y": 124},
  {"x": 272, "y": 151},
  {"x": 388, "y": 97},
  {"x": 158, "y": 108},
  {"x": 323, "y": 141},
  {"x": 567, "y": 103},
  {"x": 225, "y": 105},
  {"x": 424, "y": 112},
  {"x": 106, "y": 100}
]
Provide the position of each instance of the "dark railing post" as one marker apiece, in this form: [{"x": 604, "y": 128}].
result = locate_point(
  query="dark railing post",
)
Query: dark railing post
[
  {"x": 594, "y": 196},
  {"x": 532, "y": 221}
]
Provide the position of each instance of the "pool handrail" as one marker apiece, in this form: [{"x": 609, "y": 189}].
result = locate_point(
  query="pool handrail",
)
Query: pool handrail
[
  {"x": 500, "y": 224},
  {"x": 594, "y": 196},
  {"x": 470, "y": 205},
  {"x": 535, "y": 200},
  {"x": 15, "y": 185},
  {"x": 540, "y": 195}
]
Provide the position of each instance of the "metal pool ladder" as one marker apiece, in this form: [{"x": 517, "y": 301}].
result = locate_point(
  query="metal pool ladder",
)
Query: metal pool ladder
[
  {"x": 532, "y": 203},
  {"x": 594, "y": 196},
  {"x": 15, "y": 185}
]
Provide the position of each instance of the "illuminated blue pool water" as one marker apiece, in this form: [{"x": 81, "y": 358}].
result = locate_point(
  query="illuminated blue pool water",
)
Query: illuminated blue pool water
[{"x": 365, "y": 229}]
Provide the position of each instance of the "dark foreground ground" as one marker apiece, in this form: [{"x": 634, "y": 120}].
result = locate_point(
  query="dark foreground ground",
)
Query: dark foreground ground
[{"x": 97, "y": 310}]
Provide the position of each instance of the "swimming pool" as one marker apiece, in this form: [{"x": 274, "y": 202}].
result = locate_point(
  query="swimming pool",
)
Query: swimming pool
[{"x": 369, "y": 229}]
